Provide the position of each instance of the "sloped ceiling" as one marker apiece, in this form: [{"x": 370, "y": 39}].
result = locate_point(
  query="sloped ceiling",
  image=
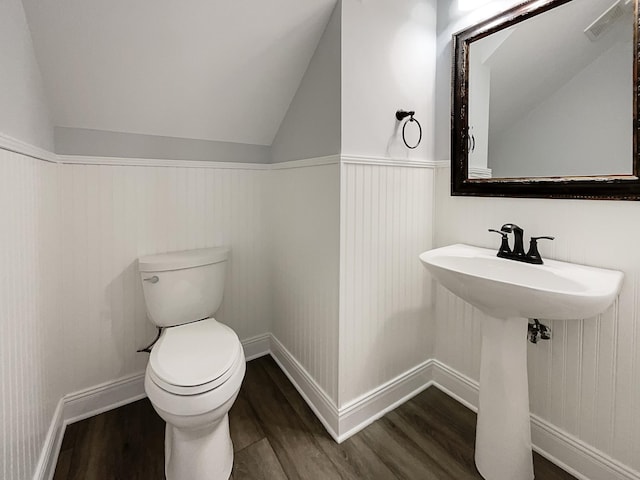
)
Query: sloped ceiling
[{"x": 203, "y": 69}]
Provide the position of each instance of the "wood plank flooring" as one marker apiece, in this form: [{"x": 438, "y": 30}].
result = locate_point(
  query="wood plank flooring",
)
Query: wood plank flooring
[{"x": 277, "y": 437}]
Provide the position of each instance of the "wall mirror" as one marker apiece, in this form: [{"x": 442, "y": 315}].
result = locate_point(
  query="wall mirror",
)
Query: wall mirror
[{"x": 545, "y": 102}]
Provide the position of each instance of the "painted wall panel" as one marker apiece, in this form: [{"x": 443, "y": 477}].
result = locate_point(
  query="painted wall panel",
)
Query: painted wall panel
[
  {"x": 114, "y": 214},
  {"x": 30, "y": 320},
  {"x": 386, "y": 303}
]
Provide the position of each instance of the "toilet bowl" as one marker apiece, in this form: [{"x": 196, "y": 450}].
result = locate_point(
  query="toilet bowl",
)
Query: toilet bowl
[{"x": 196, "y": 367}]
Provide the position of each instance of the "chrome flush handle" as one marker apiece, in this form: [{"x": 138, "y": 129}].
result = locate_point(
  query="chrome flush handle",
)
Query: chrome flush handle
[{"x": 153, "y": 279}]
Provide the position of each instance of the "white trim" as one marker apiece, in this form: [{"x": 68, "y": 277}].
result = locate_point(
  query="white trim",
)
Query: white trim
[
  {"x": 362, "y": 412},
  {"x": 18, "y": 146},
  {"x": 84, "y": 404},
  {"x": 152, "y": 162},
  {"x": 588, "y": 462},
  {"x": 348, "y": 420},
  {"x": 389, "y": 162},
  {"x": 306, "y": 162},
  {"x": 479, "y": 172},
  {"x": 458, "y": 386},
  {"x": 257, "y": 346},
  {"x": 23, "y": 148},
  {"x": 103, "y": 397},
  {"x": 570, "y": 453},
  {"x": 443, "y": 163},
  {"x": 51, "y": 449},
  {"x": 312, "y": 393}
]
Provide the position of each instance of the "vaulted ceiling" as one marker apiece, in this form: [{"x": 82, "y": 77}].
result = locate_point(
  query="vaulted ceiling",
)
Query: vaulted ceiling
[{"x": 204, "y": 69}]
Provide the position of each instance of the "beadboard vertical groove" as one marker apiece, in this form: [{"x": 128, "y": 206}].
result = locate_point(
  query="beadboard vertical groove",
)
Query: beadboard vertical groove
[
  {"x": 30, "y": 382},
  {"x": 586, "y": 380},
  {"x": 385, "y": 295},
  {"x": 304, "y": 239},
  {"x": 115, "y": 214}
]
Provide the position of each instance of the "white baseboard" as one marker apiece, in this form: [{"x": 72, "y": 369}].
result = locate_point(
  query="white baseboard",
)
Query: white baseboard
[
  {"x": 578, "y": 458},
  {"x": 575, "y": 456},
  {"x": 569, "y": 452},
  {"x": 84, "y": 404},
  {"x": 358, "y": 414},
  {"x": 456, "y": 385},
  {"x": 368, "y": 408},
  {"x": 317, "y": 399},
  {"x": 257, "y": 346},
  {"x": 104, "y": 397},
  {"x": 49, "y": 456}
]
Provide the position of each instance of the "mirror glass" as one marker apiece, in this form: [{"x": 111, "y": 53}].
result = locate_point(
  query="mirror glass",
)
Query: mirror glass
[
  {"x": 544, "y": 96},
  {"x": 552, "y": 96}
]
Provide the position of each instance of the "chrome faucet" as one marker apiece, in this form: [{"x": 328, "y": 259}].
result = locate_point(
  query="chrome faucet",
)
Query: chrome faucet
[{"x": 532, "y": 256}]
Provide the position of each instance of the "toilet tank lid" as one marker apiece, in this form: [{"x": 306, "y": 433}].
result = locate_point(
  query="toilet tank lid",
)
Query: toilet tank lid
[{"x": 183, "y": 259}]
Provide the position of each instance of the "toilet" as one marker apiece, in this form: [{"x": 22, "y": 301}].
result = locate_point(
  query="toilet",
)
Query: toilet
[{"x": 196, "y": 366}]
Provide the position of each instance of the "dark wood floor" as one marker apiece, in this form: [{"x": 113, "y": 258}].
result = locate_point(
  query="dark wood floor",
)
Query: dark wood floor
[{"x": 276, "y": 436}]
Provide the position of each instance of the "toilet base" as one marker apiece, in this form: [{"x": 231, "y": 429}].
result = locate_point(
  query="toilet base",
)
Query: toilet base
[{"x": 201, "y": 454}]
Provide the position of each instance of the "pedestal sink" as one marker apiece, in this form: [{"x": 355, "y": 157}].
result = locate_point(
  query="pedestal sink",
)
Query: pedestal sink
[{"x": 510, "y": 293}]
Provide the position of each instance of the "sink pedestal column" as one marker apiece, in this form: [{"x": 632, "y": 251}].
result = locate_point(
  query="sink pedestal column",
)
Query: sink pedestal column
[{"x": 503, "y": 434}]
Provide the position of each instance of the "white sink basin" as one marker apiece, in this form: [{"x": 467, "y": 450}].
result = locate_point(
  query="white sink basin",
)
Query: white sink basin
[
  {"x": 510, "y": 293},
  {"x": 505, "y": 288}
]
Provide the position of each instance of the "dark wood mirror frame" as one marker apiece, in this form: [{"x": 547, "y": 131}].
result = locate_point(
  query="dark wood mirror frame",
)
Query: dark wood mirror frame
[{"x": 612, "y": 187}]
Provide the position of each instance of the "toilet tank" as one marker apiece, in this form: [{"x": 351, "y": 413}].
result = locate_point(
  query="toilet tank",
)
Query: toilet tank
[{"x": 182, "y": 287}]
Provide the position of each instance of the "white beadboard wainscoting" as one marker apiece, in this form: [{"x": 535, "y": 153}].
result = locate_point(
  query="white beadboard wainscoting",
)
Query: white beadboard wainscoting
[
  {"x": 113, "y": 214},
  {"x": 30, "y": 318},
  {"x": 346, "y": 235},
  {"x": 585, "y": 382},
  {"x": 304, "y": 235},
  {"x": 324, "y": 275},
  {"x": 386, "y": 309}
]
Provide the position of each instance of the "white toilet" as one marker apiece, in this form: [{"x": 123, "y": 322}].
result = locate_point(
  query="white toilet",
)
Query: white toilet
[{"x": 197, "y": 365}]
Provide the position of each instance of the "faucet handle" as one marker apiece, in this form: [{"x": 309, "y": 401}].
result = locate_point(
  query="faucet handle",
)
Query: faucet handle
[
  {"x": 504, "y": 234},
  {"x": 533, "y": 256},
  {"x": 504, "y": 250},
  {"x": 543, "y": 238}
]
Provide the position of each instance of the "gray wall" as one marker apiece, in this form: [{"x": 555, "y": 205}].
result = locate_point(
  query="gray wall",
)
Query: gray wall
[
  {"x": 100, "y": 143},
  {"x": 312, "y": 127},
  {"x": 23, "y": 109}
]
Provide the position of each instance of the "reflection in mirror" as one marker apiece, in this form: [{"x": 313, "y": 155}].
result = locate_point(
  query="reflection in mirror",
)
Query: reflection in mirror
[
  {"x": 552, "y": 96},
  {"x": 544, "y": 102}
]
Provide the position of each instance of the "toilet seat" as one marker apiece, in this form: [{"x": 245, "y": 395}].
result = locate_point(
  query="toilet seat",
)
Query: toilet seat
[{"x": 194, "y": 358}]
